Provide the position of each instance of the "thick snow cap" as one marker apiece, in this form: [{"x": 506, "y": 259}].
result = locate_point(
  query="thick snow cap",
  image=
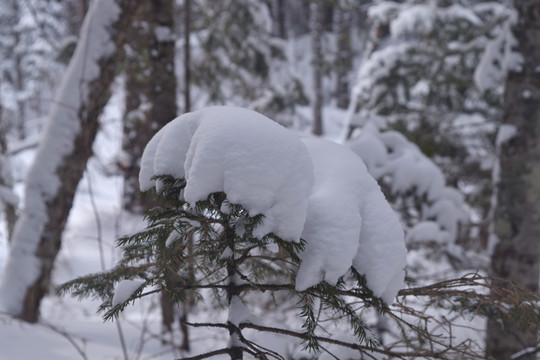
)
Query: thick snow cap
[
  {"x": 314, "y": 189},
  {"x": 255, "y": 161}
]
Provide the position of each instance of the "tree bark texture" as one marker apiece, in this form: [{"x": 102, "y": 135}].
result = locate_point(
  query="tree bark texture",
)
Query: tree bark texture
[
  {"x": 316, "y": 25},
  {"x": 343, "y": 24},
  {"x": 150, "y": 104},
  {"x": 517, "y": 219},
  {"x": 187, "y": 55},
  {"x": 150, "y": 90},
  {"x": 69, "y": 171}
]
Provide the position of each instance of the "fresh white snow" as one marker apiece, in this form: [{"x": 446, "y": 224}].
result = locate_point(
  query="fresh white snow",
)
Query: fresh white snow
[
  {"x": 349, "y": 221},
  {"x": 124, "y": 289},
  {"x": 255, "y": 161},
  {"x": 315, "y": 189}
]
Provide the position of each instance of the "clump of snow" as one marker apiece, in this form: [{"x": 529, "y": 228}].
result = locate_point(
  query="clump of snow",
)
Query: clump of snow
[
  {"x": 498, "y": 56},
  {"x": 332, "y": 228},
  {"x": 506, "y": 133},
  {"x": 124, "y": 289},
  {"x": 381, "y": 254},
  {"x": 57, "y": 142},
  {"x": 255, "y": 161},
  {"x": 349, "y": 221},
  {"x": 414, "y": 19},
  {"x": 315, "y": 189},
  {"x": 163, "y": 34},
  {"x": 390, "y": 153}
]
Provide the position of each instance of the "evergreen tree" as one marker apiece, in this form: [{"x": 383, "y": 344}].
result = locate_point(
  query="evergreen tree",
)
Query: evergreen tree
[
  {"x": 424, "y": 78},
  {"x": 237, "y": 60},
  {"x": 241, "y": 264}
]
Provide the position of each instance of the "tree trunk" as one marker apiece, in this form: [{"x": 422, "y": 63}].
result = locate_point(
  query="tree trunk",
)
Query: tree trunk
[
  {"x": 18, "y": 74},
  {"x": 62, "y": 156},
  {"x": 150, "y": 104},
  {"x": 316, "y": 25},
  {"x": 187, "y": 55},
  {"x": 343, "y": 24},
  {"x": 9, "y": 200},
  {"x": 236, "y": 351},
  {"x": 279, "y": 15},
  {"x": 517, "y": 218},
  {"x": 150, "y": 90}
]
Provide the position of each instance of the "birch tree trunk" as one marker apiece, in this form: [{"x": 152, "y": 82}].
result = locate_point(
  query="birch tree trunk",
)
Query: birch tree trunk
[
  {"x": 61, "y": 158},
  {"x": 517, "y": 218}
]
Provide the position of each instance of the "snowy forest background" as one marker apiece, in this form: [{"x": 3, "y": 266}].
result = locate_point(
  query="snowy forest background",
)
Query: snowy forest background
[{"x": 440, "y": 99}]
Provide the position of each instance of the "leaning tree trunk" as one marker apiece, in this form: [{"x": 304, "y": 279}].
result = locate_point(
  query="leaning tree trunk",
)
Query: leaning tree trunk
[
  {"x": 517, "y": 219},
  {"x": 61, "y": 157}
]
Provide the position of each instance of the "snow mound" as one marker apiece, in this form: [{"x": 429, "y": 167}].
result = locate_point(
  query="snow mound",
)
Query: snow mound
[
  {"x": 258, "y": 163},
  {"x": 349, "y": 223}
]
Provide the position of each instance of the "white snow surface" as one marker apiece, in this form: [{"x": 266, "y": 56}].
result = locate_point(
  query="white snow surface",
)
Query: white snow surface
[
  {"x": 315, "y": 189},
  {"x": 349, "y": 222},
  {"x": 124, "y": 289},
  {"x": 255, "y": 161},
  {"x": 58, "y": 140}
]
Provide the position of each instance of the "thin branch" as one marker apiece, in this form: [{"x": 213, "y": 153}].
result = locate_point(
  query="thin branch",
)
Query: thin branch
[
  {"x": 525, "y": 352},
  {"x": 208, "y": 354},
  {"x": 429, "y": 354}
]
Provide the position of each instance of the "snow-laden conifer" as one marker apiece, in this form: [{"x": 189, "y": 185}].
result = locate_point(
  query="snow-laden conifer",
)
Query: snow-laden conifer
[{"x": 265, "y": 211}]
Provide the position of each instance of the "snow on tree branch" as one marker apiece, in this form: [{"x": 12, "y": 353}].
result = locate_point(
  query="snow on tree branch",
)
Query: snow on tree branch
[
  {"x": 390, "y": 154},
  {"x": 314, "y": 190}
]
